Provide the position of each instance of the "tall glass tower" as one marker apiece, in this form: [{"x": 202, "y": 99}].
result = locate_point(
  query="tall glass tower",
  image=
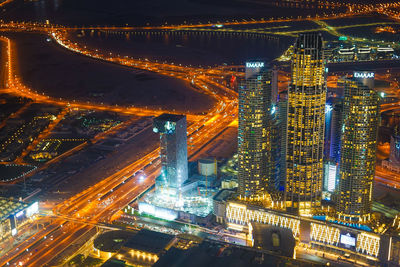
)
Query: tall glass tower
[
  {"x": 336, "y": 125},
  {"x": 173, "y": 151},
  {"x": 305, "y": 126},
  {"x": 358, "y": 147},
  {"x": 254, "y": 138}
]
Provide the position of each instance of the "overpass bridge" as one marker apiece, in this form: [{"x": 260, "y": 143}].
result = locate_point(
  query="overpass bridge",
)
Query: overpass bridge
[{"x": 101, "y": 225}]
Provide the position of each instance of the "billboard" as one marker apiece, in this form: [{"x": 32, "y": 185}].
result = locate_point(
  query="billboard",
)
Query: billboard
[
  {"x": 348, "y": 240},
  {"x": 159, "y": 212},
  {"x": 32, "y": 209},
  {"x": 330, "y": 171}
]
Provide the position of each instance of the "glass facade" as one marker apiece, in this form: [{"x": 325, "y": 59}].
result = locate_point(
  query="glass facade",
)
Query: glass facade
[
  {"x": 335, "y": 130},
  {"x": 358, "y": 148},
  {"x": 329, "y": 177},
  {"x": 254, "y": 137},
  {"x": 333, "y": 127},
  {"x": 173, "y": 149},
  {"x": 305, "y": 126},
  {"x": 395, "y": 149}
]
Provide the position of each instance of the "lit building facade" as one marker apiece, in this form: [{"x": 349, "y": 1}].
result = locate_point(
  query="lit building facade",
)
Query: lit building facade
[
  {"x": 305, "y": 126},
  {"x": 14, "y": 215},
  {"x": 325, "y": 236},
  {"x": 358, "y": 147},
  {"x": 335, "y": 130},
  {"x": 333, "y": 126},
  {"x": 330, "y": 177},
  {"x": 254, "y": 137},
  {"x": 328, "y": 124},
  {"x": 173, "y": 150},
  {"x": 275, "y": 168},
  {"x": 282, "y": 118}
]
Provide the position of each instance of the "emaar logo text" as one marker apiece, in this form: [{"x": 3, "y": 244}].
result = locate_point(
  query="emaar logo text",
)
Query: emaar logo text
[
  {"x": 364, "y": 75},
  {"x": 254, "y": 64}
]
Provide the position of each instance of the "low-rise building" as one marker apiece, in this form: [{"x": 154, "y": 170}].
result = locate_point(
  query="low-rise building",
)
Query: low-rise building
[
  {"x": 220, "y": 202},
  {"x": 393, "y": 162},
  {"x": 214, "y": 253},
  {"x": 14, "y": 214},
  {"x": 358, "y": 242},
  {"x": 141, "y": 249}
]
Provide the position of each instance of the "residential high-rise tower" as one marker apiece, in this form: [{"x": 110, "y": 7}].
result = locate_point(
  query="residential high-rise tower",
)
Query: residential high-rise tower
[
  {"x": 282, "y": 119},
  {"x": 305, "y": 126},
  {"x": 358, "y": 147},
  {"x": 254, "y": 139}
]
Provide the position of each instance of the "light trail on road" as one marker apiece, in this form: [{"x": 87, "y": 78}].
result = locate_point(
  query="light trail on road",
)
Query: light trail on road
[{"x": 2, "y": 4}]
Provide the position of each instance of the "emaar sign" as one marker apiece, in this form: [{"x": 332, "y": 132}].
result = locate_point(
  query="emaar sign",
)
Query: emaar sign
[
  {"x": 254, "y": 64},
  {"x": 364, "y": 75}
]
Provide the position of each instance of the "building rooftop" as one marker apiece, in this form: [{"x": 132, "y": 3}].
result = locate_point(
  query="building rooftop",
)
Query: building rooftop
[
  {"x": 149, "y": 241},
  {"x": 114, "y": 263},
  {"x": 273, "y": 238},
  {"x": 169, "y": 117},
  {"x": 112, "y": 241},
  {"x": 207, "y": 160},
  {"x": 223, "y": 194},
  {"x": 210, "y": 254},
  {"x": 10, "y": 207}
]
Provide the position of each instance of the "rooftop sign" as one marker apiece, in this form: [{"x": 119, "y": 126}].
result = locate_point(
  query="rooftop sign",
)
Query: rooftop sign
[
  {"x": 364, "y": 75},
  {"x": 254, "y": 64}
]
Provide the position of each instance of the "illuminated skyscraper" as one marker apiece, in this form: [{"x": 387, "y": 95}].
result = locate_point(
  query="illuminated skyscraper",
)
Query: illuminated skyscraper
[
  {"x": 282, "y": 109},
  {"x": 335, "y": 130},
  {"x": 328, "y": 123},
  {"x": 305, "y": 126},
  {"x": 173, "y": 150},
  {"x": 254, "y": 139},
  {"x": 358, "y": 147}
]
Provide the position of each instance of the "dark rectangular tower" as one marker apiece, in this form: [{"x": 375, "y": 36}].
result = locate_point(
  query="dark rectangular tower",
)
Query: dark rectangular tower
[{"x": 173, "y": 149}]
